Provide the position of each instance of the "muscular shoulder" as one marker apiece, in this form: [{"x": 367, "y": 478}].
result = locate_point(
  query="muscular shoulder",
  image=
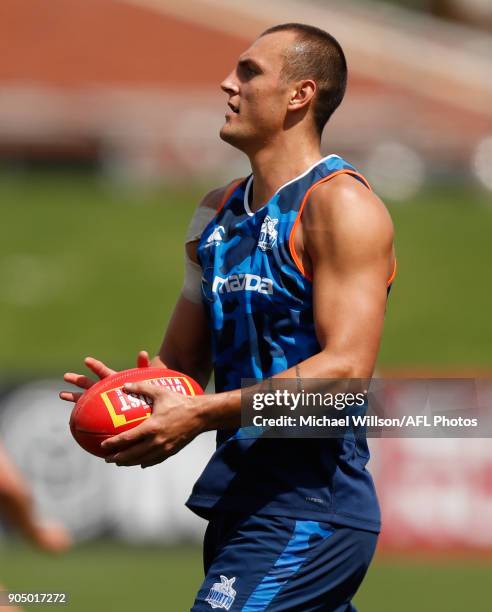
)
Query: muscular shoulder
[{"x": 343, "y": 211}]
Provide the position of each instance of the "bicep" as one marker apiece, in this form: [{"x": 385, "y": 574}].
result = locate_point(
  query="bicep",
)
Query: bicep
[
  {"x": 349, "y": 313},
  {"x": 350, "y": 248}
]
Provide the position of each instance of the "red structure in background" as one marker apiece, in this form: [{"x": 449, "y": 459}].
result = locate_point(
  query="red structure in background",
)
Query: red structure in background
[
  {"x": 80, "y": 43},
  {"x": 436, "y": 495},
  {"x": 139, "y": 83}
]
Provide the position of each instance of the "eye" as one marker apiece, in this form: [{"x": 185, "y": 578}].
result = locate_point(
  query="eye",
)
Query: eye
[{"x": 248, "y": 70}]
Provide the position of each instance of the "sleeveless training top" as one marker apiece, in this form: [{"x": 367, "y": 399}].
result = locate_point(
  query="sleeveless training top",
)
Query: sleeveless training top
[{"x": 260, "y": 307}]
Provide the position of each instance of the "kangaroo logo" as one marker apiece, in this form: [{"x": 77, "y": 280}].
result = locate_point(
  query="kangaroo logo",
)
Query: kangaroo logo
[
  {"x": 268, "y": 234},
  {"x": 222, "y": 595}
]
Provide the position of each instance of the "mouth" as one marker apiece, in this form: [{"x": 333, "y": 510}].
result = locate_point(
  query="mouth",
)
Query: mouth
[{"x": 234, "y": 109}]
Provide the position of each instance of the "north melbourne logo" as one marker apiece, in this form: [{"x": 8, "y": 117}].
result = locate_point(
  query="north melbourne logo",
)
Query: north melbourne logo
[
  {"x": 216, "y": 236},
  {"x": 268, "y": 234},
  {"x": 222, "y": 595}
]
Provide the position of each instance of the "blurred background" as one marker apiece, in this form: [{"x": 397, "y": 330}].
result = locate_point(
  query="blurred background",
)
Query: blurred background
[{"x": 109, "y": 119}]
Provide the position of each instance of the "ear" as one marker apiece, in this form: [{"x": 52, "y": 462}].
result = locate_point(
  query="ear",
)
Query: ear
[{"x": 302, "y": 94}]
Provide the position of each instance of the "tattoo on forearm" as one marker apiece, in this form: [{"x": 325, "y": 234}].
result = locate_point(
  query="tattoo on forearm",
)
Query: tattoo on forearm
[{"x": 298, "y": 378}]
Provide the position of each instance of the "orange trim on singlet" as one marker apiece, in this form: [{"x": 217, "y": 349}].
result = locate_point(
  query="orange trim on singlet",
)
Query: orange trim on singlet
[
  {"x": 393, "y": 274},
  {"x": 292, "y": 248},
  {"x": 228, "y": 192}
]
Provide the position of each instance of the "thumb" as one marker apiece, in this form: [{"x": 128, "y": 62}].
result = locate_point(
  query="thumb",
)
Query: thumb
[{"x": 143, "y": 360}]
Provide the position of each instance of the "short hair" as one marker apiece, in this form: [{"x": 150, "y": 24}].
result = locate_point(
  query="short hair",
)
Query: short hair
[{"x": 318, "y": 56}]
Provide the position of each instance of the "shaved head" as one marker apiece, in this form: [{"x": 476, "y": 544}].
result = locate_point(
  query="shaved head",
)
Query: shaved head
[{"x": 315, "y": 55}]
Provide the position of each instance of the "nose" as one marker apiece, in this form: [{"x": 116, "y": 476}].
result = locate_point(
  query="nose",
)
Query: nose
[{"x": 229, "y": 85}]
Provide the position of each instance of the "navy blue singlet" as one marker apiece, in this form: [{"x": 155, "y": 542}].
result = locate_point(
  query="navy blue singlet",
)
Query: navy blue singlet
[{"x": 260, "y": 307}]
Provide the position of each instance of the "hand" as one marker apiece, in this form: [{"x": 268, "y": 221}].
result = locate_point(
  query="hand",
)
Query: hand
[
  {"x": 175, "y": 421},
  {"x": 100, "y": 369},
  {"x": 51, "y": 537}
]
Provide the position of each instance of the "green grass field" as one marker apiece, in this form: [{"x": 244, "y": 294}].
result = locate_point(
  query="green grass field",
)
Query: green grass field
[
  {"x": 86, "y": 268},
  {"x": 108, "y": 576},
  {"x": 90, "y": 269}
]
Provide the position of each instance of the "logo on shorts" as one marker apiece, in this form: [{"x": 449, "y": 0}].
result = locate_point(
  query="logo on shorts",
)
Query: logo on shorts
[
  {"x": 268, "y": 234},
  {"x": 222, "y": 595}
]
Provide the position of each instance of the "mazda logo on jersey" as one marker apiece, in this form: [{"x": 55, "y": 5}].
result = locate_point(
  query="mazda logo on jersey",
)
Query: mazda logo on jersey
[{"x": 242, "y": 282}]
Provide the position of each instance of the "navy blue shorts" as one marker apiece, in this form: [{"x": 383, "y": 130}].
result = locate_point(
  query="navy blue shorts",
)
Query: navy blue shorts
[{"x": 255, "y": 563}]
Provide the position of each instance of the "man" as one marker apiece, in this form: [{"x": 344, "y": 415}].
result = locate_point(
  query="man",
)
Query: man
[{"x": 296, "y": 261}]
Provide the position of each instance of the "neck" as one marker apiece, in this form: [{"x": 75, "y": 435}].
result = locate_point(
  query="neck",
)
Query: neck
[{"x": 279, "y": 162}]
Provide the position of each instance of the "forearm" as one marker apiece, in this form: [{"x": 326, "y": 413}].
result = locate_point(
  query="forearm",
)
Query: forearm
[
  {"x": 15, "y": 499},
  {"x": 223, "y": 410},
  {"x": 17, "y": 507}
]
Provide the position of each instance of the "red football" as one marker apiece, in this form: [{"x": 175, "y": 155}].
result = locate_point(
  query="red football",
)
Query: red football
[{"x": 105, "y": 409}]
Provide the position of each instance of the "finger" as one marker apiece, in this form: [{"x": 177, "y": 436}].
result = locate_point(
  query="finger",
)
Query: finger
[
  {"x": 69, "y": 396},
  {"x": 135, "y": 454},
  {"x": 143, "y": 360},
  {"x": 124, "y": 440},
  {"x": 145, "y": 388},
  {"x": 98, "y": 367},
  {"x": 84, "y": 382}
]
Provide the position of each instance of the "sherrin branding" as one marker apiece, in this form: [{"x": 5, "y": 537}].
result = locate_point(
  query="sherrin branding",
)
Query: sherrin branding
[{"x": 105, "y": 409}]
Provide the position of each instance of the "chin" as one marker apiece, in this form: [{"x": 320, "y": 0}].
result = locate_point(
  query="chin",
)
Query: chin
[
  {"x": 235, "y": 138},
  {"x": 228, "y": 135}
]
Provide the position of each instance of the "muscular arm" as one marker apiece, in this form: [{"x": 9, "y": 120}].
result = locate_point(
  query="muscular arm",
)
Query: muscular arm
[{"x": 348, "y": 250}]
